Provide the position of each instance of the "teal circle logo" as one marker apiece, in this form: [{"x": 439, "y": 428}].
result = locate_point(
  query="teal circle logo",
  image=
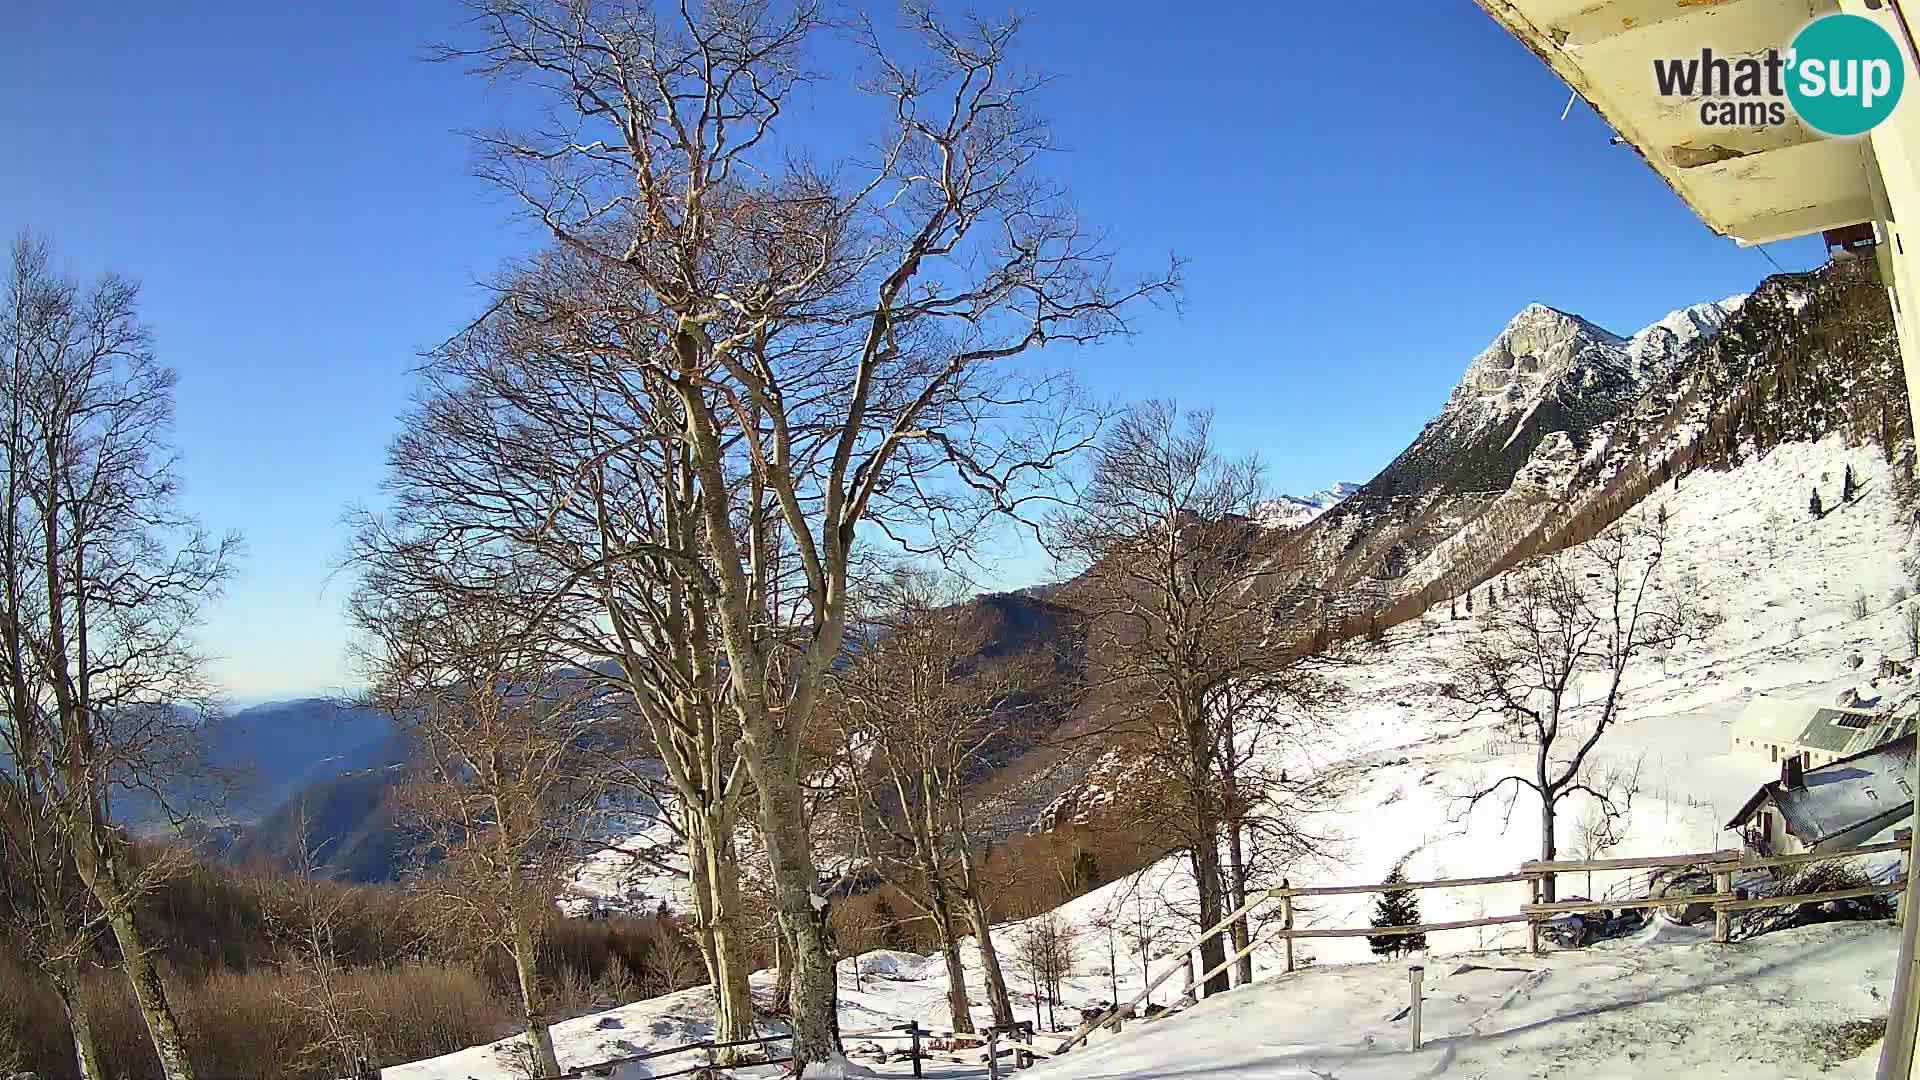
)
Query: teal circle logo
[{"x": 1846, "y": 74}]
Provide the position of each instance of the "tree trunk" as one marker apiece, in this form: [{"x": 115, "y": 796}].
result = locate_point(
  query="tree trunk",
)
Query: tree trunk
[
  {"x": 798, "y": 903},
  {"x": 539, "y": 1036},
  {"x": 1213, "y": 951},
  {"x": 997, "y": 997},
  {"x": 957, "y": 1002},
  {"x": 1206, "y": 843},
  {"x": 1549, "y": 849},
  {"x": 163, "y": 1028},
  {"x": 782, "y": 971},
  {"x": 101, "y": 875},
  {"x": 73, "y": 1002},
  {"x": 701, "y": 888},
  {"x": 732, "y": 995},
  {"x": 1237, "y": 896}
]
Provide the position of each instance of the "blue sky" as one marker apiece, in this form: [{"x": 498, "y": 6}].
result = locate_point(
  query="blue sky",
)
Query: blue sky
[{"x": 1365, "y": 192}]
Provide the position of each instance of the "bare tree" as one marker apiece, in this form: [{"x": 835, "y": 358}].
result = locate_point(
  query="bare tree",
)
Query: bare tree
[
  {"x": 1552, "y": 663},
  {"x": 1604, "y": 824},
  {"x": 536, "y": 435},
  {"x": 460, "y": 656},
  {"x": 925, "y": 709},
  {"x": 104, "y": 575},
  {"x": 1181, "y": 581},
  {"x": 44, "y": 909},
  {"x": 306, "y": 928},
  {"x": 835, "y": 339},
  {"x": 1049, "y": 948}
]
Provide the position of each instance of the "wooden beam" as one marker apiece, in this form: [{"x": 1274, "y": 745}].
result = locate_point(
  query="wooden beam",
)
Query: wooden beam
[
  {"x": 1761, "y": 863},
  {"x": 1645, "y": 862},
  {"x": 1403, "y": 886},
  {"x": 1760, "y": 902},
  {"x": 1394, "y": 931},
  {"x": 1567, "y": 906}
]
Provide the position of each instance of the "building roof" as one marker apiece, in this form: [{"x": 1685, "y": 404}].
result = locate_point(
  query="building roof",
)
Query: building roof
[
  {"x": 1857, "y": 795},
  {"x": 1755, "y": 184},
  {"x": 1832, "y": 729}
]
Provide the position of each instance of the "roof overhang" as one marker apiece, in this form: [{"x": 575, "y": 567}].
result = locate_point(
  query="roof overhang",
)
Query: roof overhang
[{"x": 1754, "y": 184}]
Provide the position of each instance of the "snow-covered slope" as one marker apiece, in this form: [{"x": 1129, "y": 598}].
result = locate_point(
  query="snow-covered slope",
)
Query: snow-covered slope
[
  {"x": 1547, "y": 371},
  {"x": 1786, "y": 586}
]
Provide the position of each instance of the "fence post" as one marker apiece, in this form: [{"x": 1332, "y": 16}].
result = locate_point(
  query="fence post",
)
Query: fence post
[
  {"x": 993, "y": 1053},
  {"x": 1413, "y": 1010},
  {"x": 1904, "y": 836},
  {"x": 1286, "y": 916},
  {"x": 913, "y": 1030},
  {"x": 1722, "y": 918},
  {"x": 1189, "y": 992},
  {"x": 1533, "y": 923}
]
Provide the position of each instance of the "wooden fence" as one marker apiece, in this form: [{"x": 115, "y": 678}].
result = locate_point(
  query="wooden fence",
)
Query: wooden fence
[
  {"x": 1726, "y": 901},
  {"x": 1021, "y": 1044},
  {"x": 1017, "y": 1043}
]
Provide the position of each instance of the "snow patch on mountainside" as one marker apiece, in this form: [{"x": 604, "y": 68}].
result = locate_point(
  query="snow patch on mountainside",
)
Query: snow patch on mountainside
[
  {"x": 1292, "y": 511},
  {"x": 1544, "y": 352}
]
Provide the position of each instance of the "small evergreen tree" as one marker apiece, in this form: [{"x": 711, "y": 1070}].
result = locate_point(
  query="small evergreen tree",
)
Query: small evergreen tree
[
  {"x": 1453, "y": 609},
  {"x": 1469, "y": 601},
  {"x": 1396, "y": 908},
  {"x": 1814, "y": 506},
  {"x": 1846, "y": 486}
]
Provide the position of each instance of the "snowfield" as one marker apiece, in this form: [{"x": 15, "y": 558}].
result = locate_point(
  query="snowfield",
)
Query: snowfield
[{"x": 1662, "y": 1004}]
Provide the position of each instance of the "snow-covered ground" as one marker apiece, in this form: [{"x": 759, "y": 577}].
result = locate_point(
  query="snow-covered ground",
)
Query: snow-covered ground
[
  {"x": 1785, "y": 586},
  {"x": 1792, "y": 1004}
]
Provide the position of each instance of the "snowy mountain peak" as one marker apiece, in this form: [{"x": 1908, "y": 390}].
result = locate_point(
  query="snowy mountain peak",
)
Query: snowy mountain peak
[
  {"x": 1540, "y": 347},
  {"x": 1657, "y": 348},
  {"x": 1292, "y": 511},
  {"x": 1544, "y": 350}
]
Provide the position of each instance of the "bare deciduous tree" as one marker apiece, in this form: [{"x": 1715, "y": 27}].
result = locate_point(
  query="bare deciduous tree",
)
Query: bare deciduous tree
[
  {"x": 924, "y": 709},
  {"x": 460, "y": 655},
  {"x": 104, "y": 576},
  {"x": 1181, "y": 580},
  {"x": 836, "y": 340},
  {"x": 1552, "y": 663},
  {"x": 1049, "y": 947}
]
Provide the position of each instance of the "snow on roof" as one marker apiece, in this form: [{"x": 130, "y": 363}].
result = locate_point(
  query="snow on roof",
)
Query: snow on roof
[
  {"x": 1814, "y": 725},
  {"x": 1858, "y": 795}
]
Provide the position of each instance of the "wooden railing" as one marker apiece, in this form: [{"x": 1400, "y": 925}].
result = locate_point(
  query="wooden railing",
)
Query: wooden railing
[
  {"x": 1725, "y": 899},
  {"x": 1018, "y": 1043}
]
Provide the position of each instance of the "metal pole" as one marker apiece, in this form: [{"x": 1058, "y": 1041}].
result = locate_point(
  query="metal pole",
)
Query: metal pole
[
  {"x": 1413, "y": 1012},
  {"x": 913, "y": 1029}
]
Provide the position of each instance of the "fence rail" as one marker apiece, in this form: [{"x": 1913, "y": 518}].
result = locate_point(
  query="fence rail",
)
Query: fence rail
[{"x": 1724, "y": 899}]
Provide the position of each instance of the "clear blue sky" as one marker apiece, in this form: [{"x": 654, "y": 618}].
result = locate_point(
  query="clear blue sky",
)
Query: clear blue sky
[{"x": 1365, "y": 192}]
